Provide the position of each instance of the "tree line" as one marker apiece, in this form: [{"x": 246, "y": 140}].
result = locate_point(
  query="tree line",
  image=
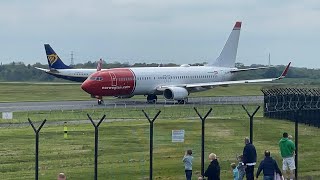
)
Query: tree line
[{"x": 19, "y": 71}]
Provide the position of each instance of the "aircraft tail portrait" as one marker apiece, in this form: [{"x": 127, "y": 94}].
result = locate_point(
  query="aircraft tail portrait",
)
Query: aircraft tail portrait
[
  {"x": 227, "y": 57},
  {"x": 53, "y": 59}
]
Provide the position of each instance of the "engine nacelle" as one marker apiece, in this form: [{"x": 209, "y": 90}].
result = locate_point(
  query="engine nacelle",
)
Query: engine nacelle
[{"x": 175, "y": 93}]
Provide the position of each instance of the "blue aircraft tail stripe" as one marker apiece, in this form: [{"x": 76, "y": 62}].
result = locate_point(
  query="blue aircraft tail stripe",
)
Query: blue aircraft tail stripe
[{"x": 53, "y": 59}]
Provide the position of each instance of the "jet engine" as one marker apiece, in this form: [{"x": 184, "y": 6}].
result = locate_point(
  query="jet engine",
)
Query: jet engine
[{"x": 175, "y": 93}]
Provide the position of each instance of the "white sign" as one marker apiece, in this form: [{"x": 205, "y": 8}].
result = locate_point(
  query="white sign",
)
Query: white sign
[
  {"x": 177, "y": 135},
  {"x": 6, "y": 115}
]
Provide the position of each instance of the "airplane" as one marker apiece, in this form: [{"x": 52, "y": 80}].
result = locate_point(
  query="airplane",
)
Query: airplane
[
  {"x": 174, "y": 83},
  {"x": 58, "y": 69}
]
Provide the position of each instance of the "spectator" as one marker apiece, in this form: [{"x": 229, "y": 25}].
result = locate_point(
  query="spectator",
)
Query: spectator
[
  {"x": 241, "y": 167},
  {"x": 249, "y": 158},
  {"x": 235, "y": 171},
  {"x": 213, "y": 170},
  {"x": 287, "y": 149},
  {"x": 61, "y": 176},
  {"x": 269, "y": 166},
  {"x": 187, "y": 160}
]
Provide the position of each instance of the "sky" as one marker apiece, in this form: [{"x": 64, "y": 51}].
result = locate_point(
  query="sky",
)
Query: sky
[{"x": 162, "y": 31}]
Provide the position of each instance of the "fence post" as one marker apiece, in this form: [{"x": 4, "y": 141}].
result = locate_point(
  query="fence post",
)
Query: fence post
[
  {"x": 37, "y": 131},
  {"x": 151, "y": 140},
  {"x": 96, "y": 136},
  {"x": 203, "y": 119},
  {"x": 251, "y": 120},
  {"x": 296, "y": 134}
]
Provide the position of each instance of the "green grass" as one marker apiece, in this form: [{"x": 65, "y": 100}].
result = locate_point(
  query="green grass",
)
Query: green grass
[
  {"x": 13, "y": 92},
  {"x": 124, "y": 148},
  {"x": 167, "y": 112}
]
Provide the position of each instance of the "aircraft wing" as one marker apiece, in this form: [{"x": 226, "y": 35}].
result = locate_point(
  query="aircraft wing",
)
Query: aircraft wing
[
  {"x": 212, "y": 84},
  {"x": 249, "y": 69}
]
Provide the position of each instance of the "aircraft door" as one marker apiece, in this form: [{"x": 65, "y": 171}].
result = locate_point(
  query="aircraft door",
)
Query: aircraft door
[{"x": 113, "y": 79}]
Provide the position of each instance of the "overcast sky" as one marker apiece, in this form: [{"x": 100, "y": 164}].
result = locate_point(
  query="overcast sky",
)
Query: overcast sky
[{"x": 178, "y": 31}]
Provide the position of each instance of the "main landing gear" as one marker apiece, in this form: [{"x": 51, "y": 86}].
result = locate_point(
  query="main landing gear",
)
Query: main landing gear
[
  {"x": 152, "y": 99},
  {"x": 100, "y": 100},
  {"x": 183, "y": 101}
]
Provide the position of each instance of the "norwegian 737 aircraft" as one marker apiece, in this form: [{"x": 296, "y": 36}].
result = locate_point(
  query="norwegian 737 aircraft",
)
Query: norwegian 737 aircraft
[{"x": 174, "y": 83}]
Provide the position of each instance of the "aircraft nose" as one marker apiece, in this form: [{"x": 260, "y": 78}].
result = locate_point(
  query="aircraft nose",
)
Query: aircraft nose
[{"x": 86, "y": 86}]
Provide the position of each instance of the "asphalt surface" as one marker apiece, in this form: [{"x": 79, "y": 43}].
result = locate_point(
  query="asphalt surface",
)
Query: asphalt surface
[{"x": 73, "y": 105}]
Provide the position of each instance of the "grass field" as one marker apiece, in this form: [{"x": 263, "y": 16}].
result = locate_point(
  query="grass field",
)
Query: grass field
[
  {"x": 124, "y": 146},
  {"x": 168, "y": 112},
  {"x": 13, "y": 92}
]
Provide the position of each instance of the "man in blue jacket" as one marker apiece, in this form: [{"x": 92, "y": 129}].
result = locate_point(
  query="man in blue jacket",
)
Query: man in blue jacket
[
  {"x": 269, "y": 166},
  {"x": 249, "y": 158}
]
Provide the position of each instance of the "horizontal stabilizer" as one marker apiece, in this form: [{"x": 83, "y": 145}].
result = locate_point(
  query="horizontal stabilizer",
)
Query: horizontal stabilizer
[{"x": 47, "y": 70}]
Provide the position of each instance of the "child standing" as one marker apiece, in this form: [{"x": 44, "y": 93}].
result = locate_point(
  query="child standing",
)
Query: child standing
[
  {"x": 187, "y": 160},
  {"x": 241, "y": 168},
  {"x": 235, "y": 171}
]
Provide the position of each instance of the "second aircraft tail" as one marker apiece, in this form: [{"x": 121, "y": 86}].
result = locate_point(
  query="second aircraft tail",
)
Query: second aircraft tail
[{"x": 54, "y": 61}]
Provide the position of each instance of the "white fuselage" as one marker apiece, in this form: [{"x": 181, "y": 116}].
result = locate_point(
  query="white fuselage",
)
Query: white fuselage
[
  {"x": 76, "y": 72},
  {"x": 148, "y": 79}
]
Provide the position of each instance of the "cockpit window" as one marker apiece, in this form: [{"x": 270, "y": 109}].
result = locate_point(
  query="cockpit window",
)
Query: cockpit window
[{"x": 96, "y": 78}]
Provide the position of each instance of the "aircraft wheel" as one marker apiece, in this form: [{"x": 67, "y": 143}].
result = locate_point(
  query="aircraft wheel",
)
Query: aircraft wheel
[
  {"x": 152, "y": 99},
  {"x": 100, "y": 101}
]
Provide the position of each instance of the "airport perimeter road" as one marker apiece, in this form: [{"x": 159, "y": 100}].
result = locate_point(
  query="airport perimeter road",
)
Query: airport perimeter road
[{"x": 73, "y": 105}]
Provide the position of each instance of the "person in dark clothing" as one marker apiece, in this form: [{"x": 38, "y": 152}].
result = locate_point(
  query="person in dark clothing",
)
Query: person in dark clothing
[
  {"x": 213, "y": 170},
  {"x": 249, "y": 158},
  {"x": 268, "y": 166}
]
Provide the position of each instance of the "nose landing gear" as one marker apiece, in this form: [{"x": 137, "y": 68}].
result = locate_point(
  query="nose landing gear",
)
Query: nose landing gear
[
  {"x": 100, "y": 101},
  {"x": 99, "y": 98}
]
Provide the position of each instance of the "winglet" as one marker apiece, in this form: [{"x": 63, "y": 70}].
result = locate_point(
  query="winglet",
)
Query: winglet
[{"x": 285, "y": 71}]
